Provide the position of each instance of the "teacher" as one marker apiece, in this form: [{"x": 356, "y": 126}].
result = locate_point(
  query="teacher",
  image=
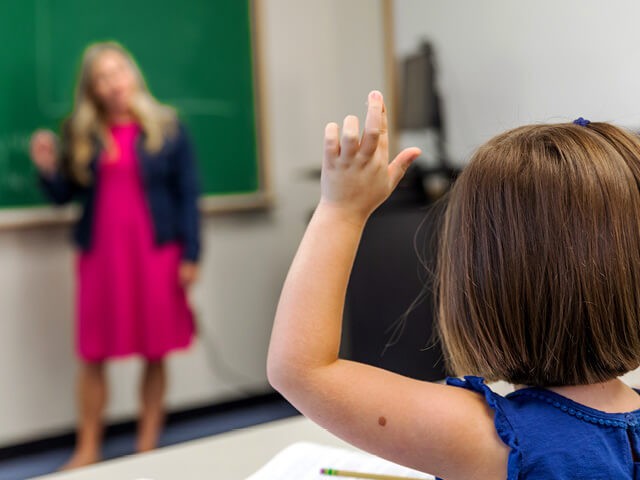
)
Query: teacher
[{"x": 127, "y": 160}]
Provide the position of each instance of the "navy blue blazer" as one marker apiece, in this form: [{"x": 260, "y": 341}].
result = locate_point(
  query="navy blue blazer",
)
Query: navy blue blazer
[{"x": 170, "y": 182}]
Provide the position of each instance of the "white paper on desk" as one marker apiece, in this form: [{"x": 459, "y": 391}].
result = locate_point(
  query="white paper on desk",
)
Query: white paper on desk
[{"x": 303, "y": 461}]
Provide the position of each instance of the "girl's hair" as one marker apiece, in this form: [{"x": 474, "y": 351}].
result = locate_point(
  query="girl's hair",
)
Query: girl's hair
[
  {"x": 538, "y": 277},
  {"x": 87, "y": 120}
]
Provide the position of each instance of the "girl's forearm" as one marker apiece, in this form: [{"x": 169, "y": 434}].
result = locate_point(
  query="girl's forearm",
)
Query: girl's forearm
[{"x": 308, "y": 323}]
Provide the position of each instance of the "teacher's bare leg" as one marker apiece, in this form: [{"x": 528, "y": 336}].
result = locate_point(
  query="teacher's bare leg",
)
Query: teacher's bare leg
[
  {"x": 91, "y": 399},
  {"x": 154, "y": 386}
]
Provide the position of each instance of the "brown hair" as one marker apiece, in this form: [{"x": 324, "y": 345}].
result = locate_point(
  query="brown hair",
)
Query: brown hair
[{"x": 538, "y": 277}]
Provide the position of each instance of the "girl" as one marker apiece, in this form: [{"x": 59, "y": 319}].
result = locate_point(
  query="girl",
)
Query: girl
[
  {"x": 538, "y": 284},
  {"x": 127, "y": 159}
]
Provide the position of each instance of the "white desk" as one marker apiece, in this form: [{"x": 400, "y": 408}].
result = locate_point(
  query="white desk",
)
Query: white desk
[{"x": 228, "y": 456}]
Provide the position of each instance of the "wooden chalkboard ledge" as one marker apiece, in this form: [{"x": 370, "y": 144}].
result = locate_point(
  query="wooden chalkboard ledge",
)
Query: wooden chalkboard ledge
[
  {"x": 27, "y": 217},
  {"x": 236, "y": 203},
  {"x": 13, "y": 218}
]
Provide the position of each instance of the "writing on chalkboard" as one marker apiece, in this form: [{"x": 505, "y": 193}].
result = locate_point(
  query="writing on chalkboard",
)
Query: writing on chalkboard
[
  {"x": 17, "y": 173},
  {"x": 198, "y": 58}
]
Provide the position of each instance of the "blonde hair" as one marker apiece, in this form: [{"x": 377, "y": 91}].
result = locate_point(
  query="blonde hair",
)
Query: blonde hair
[
  {"x": 539, "y": 262},
  {"x": 86, "y": 122}
]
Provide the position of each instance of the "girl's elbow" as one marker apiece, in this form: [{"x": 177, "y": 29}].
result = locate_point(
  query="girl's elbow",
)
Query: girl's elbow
[
  {"x": 276, "y": 372},
  {"x": 282, "y": 374}
]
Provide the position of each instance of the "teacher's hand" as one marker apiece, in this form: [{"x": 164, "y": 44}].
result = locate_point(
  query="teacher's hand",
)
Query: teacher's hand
[
  {"x": 44, "y": 152},
  {"x": 188, "y": 273}
]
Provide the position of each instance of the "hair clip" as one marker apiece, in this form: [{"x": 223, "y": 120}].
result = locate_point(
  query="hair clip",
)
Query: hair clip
[{"x": 583, "y": 122}]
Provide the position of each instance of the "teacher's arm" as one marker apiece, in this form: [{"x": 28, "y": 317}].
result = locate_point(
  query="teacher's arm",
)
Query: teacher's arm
[
  {"x": 48, "y": 161},
  {"x": 188, "y": 192}
]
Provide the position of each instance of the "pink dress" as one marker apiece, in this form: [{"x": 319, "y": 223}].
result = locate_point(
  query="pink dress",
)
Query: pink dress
[{"x": 129, "y": 299}]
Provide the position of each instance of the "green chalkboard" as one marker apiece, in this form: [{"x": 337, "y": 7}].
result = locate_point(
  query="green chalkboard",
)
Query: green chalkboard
[{"x": 197, "y": 55}]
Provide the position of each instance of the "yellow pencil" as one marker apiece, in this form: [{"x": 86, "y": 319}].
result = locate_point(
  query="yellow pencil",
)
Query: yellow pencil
[{"x": 368, "y": 476}]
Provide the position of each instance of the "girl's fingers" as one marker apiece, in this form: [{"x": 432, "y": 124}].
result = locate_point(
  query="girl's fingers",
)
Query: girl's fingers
[
  {"x": 400, "y": 164},
  {"x": 350, "y": 134},
  {"x": 331, "y": 143},
  {"x": 372, "y": 124},
  {"x": 384, "y": 127}
]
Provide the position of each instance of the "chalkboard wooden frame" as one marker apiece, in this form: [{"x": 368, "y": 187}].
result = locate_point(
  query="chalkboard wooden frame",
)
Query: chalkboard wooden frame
[
  {"x": 260, "y": 199},
  {"x": 263, "y": 198}
]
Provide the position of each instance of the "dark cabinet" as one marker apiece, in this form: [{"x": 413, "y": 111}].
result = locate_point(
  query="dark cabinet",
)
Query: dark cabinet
[{"x": 386, "y": 280}]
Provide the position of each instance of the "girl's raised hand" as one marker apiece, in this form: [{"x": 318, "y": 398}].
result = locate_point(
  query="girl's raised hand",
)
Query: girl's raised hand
[{"x": 356, "y": 174}]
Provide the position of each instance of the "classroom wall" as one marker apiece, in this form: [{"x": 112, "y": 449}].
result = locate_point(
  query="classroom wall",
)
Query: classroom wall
[
  {"x": 502, "y": 64},
  {"x": 321, "y": 57}
]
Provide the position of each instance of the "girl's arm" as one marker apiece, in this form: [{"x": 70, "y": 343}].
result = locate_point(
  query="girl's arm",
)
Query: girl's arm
[{"x": 441, "y": 430}]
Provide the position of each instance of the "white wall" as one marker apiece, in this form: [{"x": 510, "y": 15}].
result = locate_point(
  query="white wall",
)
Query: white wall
[
  {"x": 504, "y": 63},
  {"x": 321, "y": 59}
]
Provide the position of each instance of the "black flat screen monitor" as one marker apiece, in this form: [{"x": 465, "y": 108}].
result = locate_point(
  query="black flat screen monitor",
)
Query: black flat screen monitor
[{"x": 418, "y": 96}]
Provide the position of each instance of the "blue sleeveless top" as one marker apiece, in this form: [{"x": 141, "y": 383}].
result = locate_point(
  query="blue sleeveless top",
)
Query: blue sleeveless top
[{"x": 552, "y": 437}]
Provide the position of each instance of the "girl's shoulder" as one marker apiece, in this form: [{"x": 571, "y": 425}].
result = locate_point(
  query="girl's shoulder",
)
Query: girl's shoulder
[
  {"x": 551, "y": 436},
  {"x": 502, "y": 417}
]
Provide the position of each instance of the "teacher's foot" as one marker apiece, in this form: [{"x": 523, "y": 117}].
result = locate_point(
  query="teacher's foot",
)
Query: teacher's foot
[{"x": 79, "y": 459}]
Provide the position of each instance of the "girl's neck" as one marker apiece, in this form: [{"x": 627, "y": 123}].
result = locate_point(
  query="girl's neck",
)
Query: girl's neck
[{"x": 613, "y": 396}]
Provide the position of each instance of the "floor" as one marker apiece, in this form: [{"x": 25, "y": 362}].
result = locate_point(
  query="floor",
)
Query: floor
[{"x": 32, "y": 465}]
